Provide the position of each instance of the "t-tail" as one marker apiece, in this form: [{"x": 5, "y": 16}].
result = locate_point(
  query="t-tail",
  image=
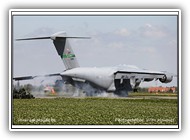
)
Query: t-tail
[{"x": 63, "y": 47}]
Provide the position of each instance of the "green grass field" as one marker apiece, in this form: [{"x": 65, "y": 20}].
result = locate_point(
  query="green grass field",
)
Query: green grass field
[{"x": 94, "y": 111}]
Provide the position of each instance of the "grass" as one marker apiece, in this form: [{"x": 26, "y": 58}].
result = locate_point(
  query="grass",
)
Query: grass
[
  {"x": 94, "y": 111},
  {"x": 152, "y": 94}
]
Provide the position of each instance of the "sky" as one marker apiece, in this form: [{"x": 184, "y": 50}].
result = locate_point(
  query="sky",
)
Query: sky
[{"x": 148, "y": 42}]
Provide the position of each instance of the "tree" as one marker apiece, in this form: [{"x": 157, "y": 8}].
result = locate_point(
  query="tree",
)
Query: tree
[{"x": 22, "y": 93}]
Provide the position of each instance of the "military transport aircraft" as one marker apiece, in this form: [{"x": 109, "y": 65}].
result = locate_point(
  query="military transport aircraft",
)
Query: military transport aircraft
[{"x": 119, "y": 79}]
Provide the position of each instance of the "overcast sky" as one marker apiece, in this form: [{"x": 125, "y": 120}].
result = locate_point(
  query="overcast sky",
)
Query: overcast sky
[{"x": 148, "y": 42}]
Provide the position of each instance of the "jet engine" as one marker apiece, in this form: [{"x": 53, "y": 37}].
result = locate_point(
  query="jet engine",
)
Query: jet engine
[{"x": 167, "y": 78}]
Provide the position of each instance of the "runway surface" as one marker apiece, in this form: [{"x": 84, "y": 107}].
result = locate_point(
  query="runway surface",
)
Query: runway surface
[{"x": 116, "y": 97}]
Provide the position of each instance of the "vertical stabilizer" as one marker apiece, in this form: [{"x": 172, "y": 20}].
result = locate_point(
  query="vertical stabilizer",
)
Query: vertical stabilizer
[{"x": 64, "y": 50}]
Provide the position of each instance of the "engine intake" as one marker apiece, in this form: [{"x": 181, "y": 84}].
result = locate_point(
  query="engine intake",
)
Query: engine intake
[{"x": 167, "y": 78}]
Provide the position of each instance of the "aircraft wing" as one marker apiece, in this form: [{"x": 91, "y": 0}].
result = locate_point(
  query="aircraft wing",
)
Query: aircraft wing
[
  {"x": 144, "y": 75},
  {"x": 23, "y": 78},
  {"x": 32, "y": 77}
]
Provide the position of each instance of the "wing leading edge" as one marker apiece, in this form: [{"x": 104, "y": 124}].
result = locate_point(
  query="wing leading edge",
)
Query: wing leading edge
[{"x": 32, "y": 77}]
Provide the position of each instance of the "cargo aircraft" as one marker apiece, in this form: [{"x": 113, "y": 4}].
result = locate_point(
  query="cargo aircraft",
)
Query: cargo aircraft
[{"x": 118, "y": 79}]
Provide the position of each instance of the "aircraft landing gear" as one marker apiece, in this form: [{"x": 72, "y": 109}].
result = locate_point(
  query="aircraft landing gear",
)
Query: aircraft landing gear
[{"x": 123, "y": 86}]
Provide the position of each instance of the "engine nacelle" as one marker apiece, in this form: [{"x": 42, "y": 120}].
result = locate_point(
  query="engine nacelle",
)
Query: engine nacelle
[{"x": 167, "y": 78}]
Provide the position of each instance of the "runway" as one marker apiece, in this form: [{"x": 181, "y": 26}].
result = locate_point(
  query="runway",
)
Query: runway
[
  {"x": 105, "y": 95},
  {"x": 152, "y": 97},
  {"x": 111, "y": 97}
]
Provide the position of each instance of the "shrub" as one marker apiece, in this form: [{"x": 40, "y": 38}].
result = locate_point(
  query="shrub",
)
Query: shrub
[{"x": 22, "y": 93}]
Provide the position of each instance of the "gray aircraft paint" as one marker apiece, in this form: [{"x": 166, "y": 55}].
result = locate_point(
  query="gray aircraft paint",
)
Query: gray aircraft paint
[{"x": 120, "y": 78}]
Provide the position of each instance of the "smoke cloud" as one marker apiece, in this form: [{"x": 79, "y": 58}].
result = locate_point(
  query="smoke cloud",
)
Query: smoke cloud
[{"x": 46, "y": 88}]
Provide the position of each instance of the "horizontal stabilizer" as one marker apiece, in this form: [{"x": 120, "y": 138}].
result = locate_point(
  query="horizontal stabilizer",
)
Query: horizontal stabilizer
[
  {"x": 62, "y": 46},
  {"x": 53, "y": 38}
]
